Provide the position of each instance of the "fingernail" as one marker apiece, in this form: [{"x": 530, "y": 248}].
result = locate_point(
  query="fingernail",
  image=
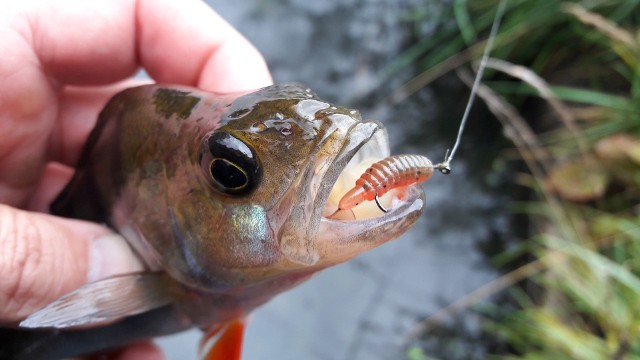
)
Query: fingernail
[{"x": 111, "y": 255}]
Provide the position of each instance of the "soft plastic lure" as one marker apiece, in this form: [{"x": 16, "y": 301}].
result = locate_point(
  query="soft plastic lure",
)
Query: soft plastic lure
[{"x": 387, "y": 174}]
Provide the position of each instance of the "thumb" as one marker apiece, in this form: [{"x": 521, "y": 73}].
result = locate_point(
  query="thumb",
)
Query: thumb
[{"x": 43, "y": 257}]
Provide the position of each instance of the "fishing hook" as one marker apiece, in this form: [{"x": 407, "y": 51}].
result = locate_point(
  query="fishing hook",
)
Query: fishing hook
[{"x": 380, "y": 205}]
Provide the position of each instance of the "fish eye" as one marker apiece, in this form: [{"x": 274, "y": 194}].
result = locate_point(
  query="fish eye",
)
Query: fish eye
[{"x": 230, "y": 164}]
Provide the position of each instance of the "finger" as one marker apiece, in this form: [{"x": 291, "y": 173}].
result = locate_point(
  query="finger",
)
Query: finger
[
  {"x": 54, "y": 178},
  {"x": 43, "y": 257},
  {"x": 78, "y": 111},
  {"x": 81, "y": 42},
  {"x": 188, "y": 43},
  {"x": 29, "y": 98},
  {"x": 27, "y": 109},
  {"x": 182, "y": 42}
]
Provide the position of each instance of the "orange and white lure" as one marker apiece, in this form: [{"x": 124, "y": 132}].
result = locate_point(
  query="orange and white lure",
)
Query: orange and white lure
[{"x": 387, "y": 174}]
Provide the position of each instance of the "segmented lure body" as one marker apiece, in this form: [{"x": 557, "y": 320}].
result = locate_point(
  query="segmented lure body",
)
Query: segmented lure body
[{"x": 385, "y": 175}]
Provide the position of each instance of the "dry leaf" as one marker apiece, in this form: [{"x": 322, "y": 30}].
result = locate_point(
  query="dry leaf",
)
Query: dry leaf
[
  {"x": 578, "y": 181},
  {"x": 619, "y": 148}
]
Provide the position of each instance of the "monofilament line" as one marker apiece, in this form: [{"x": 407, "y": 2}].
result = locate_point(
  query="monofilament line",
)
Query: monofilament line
[{"x": 445, "y": 166}]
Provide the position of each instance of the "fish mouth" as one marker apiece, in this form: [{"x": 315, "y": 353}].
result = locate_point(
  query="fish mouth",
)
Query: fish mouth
[
  {"x": 315, "y": 234},
  {"x": 342, "y": 234},
  {"x": 370, "y": 152}
]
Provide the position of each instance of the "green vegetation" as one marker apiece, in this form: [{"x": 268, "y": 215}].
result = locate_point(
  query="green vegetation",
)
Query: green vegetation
[{"x": 568, "y": 94}]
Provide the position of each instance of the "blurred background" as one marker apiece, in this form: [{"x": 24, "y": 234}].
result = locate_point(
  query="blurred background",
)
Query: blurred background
[{"x": 528, "y": 249}]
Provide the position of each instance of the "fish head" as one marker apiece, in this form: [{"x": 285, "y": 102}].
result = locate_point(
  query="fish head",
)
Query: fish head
[{"x": 262, "y": 207}]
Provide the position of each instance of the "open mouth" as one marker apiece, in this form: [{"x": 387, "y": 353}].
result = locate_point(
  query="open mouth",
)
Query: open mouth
[
  {"x": 395, "y": 200},
  {"x": 317, "y": 232},
  {"x": 337, "y": 235}
]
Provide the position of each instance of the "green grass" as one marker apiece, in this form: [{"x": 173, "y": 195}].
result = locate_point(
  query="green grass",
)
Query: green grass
[{"x": 586, "y": 237}]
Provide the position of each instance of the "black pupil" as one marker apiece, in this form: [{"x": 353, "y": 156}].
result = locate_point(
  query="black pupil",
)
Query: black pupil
[
  {"x": 229, "y": 165},
  {"x": 227, "y": 174}
]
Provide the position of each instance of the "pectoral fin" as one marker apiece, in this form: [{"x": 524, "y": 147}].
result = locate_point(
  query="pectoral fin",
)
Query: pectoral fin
[
  {"x": 104, "y": 301},
  {"x": 223, "y": 341}
]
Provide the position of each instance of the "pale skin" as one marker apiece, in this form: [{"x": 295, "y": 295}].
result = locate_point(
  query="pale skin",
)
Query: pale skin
[{"x": 60, "y": 61}]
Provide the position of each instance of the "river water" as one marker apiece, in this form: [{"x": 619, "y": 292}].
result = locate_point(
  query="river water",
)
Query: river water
[{"x": 362, "y": 310}]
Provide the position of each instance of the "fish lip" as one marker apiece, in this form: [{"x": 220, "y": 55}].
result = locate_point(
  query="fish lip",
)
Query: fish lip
[
  {"x": 341, "y": 240},
  {"x": 349, "y": 237}
]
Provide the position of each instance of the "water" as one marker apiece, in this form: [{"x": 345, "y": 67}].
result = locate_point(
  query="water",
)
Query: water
[{"x": 363, "y": 309}]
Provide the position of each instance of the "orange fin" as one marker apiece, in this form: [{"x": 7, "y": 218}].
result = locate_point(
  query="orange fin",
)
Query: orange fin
[{"x": 223, "y": 341}]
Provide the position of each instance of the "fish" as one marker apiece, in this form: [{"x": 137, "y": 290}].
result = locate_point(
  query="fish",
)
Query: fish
[{"x": 228, "y": 199}]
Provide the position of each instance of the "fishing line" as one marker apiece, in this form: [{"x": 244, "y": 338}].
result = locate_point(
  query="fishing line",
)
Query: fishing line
[{"x": 445, "y": 166}]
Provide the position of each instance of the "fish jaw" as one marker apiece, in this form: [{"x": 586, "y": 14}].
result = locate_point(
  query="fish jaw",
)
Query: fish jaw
[
  {"x": 342, "y": 234},
  {"x": 340, "y": 240},
  {"x": 324, "y": 236}
]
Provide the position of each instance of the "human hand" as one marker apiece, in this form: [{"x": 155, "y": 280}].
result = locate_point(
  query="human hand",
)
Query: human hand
[{"x": 60, "y": 62}]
